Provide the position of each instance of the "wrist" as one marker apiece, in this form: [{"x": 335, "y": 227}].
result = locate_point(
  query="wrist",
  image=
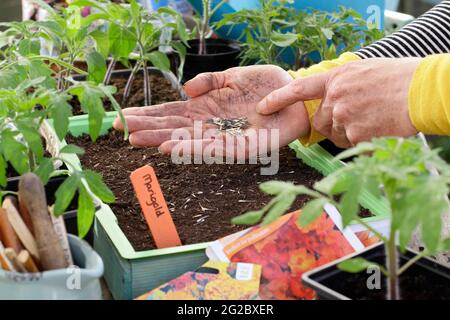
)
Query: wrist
[{"x": 428, "y": 96}]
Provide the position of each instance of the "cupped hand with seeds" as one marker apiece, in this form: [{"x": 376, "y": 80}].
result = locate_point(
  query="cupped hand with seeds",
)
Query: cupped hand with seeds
[{"x": 231, "y": 94}]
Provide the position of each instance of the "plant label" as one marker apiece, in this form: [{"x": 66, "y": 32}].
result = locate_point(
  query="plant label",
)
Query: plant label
[{"x": 154, "y": 207}]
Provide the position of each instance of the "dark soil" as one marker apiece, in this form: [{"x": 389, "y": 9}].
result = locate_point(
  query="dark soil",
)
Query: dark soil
[
  {"x": 202, "y": 198},
  {"x": 162, "y": 92},
  {"x": 417, "y": 283}
]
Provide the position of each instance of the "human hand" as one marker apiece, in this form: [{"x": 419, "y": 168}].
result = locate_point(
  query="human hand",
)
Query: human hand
[
  {"x": 360, "y": 100},
  {"x": 233, "y": 93}
]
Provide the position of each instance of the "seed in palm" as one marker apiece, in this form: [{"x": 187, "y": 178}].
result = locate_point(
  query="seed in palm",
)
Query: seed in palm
[{"x": 231, "y": 126}]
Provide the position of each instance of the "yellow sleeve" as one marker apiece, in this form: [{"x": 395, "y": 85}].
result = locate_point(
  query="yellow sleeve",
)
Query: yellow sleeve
[
  {"x": 429, "y": 95},
  {"x": 313, "y": 105}
]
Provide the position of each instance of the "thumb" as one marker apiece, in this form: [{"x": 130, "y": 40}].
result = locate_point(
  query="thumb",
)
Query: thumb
[
  {"x": 302, "y": 89},
  {"x": 205, "y": 82}
]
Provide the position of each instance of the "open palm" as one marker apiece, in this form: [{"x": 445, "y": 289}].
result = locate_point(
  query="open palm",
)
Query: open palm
[{"x": 231, "y": 94}]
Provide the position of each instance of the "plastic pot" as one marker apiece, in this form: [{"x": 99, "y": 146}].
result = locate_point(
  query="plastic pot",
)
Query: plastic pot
[
  {"x": 82, "y": 283},
  {"x": 221, "y": 55},
  {"x": 426, "y": 279}
]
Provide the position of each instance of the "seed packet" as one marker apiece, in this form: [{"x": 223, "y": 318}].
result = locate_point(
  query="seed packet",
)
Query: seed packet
[
  {"x": 285, "y": 250},
  {"x": 215, "y": 280}
]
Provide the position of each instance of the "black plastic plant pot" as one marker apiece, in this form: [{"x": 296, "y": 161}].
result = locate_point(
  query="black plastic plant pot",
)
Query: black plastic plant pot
[
  {"x": 424, "y": 280},
  {"x": 221, "y": 55},
  {"x": 70, "y": 216}
]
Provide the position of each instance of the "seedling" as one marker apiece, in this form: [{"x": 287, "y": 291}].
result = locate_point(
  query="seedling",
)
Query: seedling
[
  {"x": 135, "y": 33},
  {"x": 28, "y": 97},
  {"x": 204, "y": 23},
  {"x": 277, "y": 30},
  {"x": 396, "y": 169},
  {"x": 71, "y": 37}
]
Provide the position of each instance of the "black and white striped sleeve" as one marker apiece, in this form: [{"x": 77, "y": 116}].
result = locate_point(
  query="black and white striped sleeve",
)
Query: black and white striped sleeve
[{"x": 428, "y": 34}]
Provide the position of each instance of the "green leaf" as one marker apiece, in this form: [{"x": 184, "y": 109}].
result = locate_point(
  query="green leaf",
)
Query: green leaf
[
  {"x": 355, "y": 265},
  {"x": 181, "y": 28},
  {"x": 135, "y": 10},
  {"x": 328, "y": 33},
  {"x": 11, "y": 78},
  {"x": 98, "y": 187},
  {"x": 432, "y": 228},
  {"x": 86, "y": 211},
  {"x": 40, "y": 70},
  {"x": 71, "y": 148},
  {"x": 361, "y": 148},
  {"x": 14, "y": 152},
  {"x": 60, "y": 112},
  {"x": 283, "y": 39},
  {"x": 29, "y": 47},
  {"x": 182, "y": 52},
  {"x": 275, "y": 187},
  {"x": 44, "y": 170},
  {"x": 122, "y": 41},
  {"x": 336, "y": 183},
  {"x": 32, "y": 137},
  {"x": 3, "y": 180},
  {"x": 91, "y": 101},
  {"x": 282, "y": 204},
  {"x": 65, "y": 194},
  {"x": 102, "y": 42},
  {"x": 349, "y": 203},
  {"x": 407, "y": 214},
  {"x": 311, "y": 211},
  {"x": 159, "y": 60},
  {"x": 248, "y": 218},
  {"x": 96, "y": 66}
]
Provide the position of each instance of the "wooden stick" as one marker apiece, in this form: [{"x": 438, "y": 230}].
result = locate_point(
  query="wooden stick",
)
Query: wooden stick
[
  {"x": 8, "y": 235},
  {"x": 12, "y": 256},
  {"x": 27, "y": 261},
  {"x": 32, "y": 192},
  {"x": 4, "y": 261},
  {"x": 60, "y": 229},
  {"x": 25, "y": 215},
  {"x": 20, "y": 227}
]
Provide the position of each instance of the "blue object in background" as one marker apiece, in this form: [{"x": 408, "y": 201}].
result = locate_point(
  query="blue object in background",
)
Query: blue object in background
[
  {"x": 367, "y": 8},
  {"x": 156, "y": 4},
  {"x": 392, "y": 5}
]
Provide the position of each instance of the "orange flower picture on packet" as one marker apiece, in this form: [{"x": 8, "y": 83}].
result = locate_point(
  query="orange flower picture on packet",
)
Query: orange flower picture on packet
[{"x": 285, "y": 251}]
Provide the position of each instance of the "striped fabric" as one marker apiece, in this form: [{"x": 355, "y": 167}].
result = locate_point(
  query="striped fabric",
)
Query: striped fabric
[{"x": 428, "y": 34}]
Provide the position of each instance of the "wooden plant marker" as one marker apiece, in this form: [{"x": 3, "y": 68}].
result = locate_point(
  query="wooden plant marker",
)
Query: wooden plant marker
[
  {"x": 154, "y": 207},
  {"x": 20, "y": 227}
]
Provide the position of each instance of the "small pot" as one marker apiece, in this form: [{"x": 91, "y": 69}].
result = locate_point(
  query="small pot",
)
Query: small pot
[
  {"x": 426, "y": 279},
  {"x": 221, "y": 55},
  {"x": 82, "y": 283},
  {"x": 70, "y": 216}
]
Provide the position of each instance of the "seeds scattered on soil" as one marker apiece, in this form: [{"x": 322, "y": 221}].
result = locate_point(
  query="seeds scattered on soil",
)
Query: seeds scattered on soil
[{"x": 231, "y": 126}]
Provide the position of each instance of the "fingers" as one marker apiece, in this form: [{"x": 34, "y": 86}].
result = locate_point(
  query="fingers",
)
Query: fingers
[
  {"x": 304, "y": 89},
  {"x": 204, "y": 83},
  {"x": 339, "y": 136},
  {"x": 191, "y": 147},
  {"x": 138, "y": 123},
  {"x": 323, "y": 119},
  {"x": 166, "y": 109},
  {"x": 177, "y": 108},
  {"x": 154, "y": 138}
]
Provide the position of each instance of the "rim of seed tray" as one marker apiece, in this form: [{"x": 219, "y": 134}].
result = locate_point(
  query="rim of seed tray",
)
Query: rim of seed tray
[{"x": 233, "y": 126}]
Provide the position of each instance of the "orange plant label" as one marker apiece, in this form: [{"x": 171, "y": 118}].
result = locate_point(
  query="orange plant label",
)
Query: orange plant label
[{"x": 154, "y": 207}]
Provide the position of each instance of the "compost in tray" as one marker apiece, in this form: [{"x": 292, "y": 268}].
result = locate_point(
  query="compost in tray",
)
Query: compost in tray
[{"x": 202, "y": 198}]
